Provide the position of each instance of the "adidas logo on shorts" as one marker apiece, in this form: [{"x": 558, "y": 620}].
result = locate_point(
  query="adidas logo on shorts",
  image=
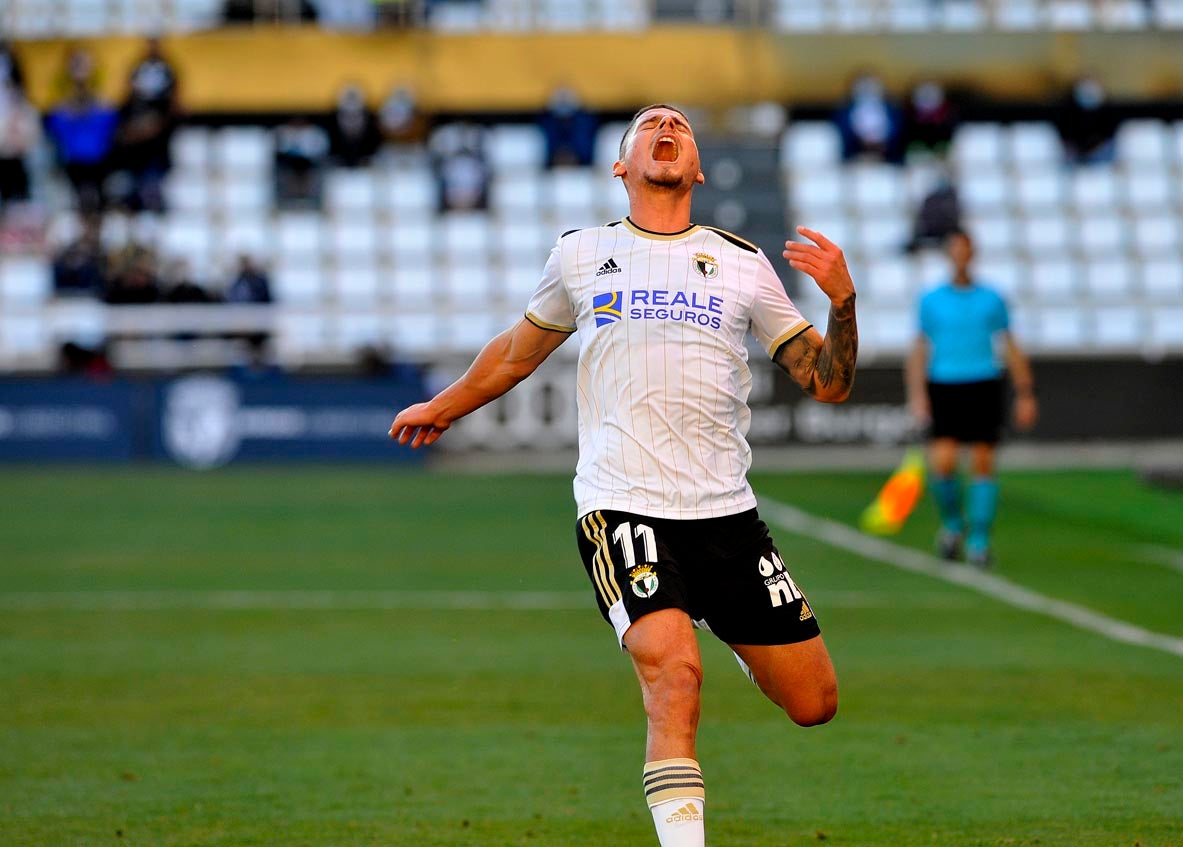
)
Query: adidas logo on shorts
[
  {"x": 609, "y": 267},
  {"x": 687, "y": 813}
]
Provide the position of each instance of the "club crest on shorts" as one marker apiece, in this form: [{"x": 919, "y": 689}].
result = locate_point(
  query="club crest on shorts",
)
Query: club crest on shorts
[
  {"x": 644, "y": 581},
  {"x": 705, "y": 265}
]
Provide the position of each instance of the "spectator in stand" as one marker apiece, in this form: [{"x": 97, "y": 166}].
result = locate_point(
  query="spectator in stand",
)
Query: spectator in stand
[
  {"x": 80, "y": 269},
  {"x": 929, "y": 120},
  {"x": 1087, "y": 123},
  {"x": 10, "y": 67},
  {"x": 250, "y": 285},
  {"x": 146, "y": 123},
  {"x": 179, "y": 286},
  {"x": 401, "y": 120},
  {"x": 570, "y": 130},
  {"x": 134, "y": 279},
  {"x": 20, "y": 130},
  {"x": 301, "y": 148},
  {"x": 870, "y": 124},
  {"x": 458, "y": 154},
  {"x": 83, "y": 131},
  {"x": 354, "y": 129},
  {"x": 938, "y": 216}
]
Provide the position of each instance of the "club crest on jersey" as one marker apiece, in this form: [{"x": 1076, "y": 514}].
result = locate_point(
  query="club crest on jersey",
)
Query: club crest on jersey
[
  {"x": 644, "y": 581},
  {"x": 606, "y": 307},
  {"x": 705, "y": 265}
]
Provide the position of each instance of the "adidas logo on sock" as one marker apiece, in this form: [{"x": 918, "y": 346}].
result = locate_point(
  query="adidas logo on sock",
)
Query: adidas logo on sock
[
  {"x": 609, "y": 267},
  {"x": 689, "y": 812}
]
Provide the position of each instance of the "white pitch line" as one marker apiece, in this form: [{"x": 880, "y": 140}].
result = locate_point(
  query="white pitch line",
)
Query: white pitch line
[
  {"x": 846, "y": 538},
  {"x": 1164, "y": 556},
  {"x": 360, "y": 600}
]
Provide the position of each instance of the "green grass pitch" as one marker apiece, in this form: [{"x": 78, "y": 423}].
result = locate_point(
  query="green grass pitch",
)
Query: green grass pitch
[{"x": 215, "y": 709}]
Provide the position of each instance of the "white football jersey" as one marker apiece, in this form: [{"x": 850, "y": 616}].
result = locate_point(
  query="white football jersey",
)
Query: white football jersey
[{"x": 663, "y": 375}]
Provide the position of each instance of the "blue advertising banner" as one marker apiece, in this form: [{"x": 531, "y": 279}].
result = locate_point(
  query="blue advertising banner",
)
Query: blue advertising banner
[
  {"x": 204, "y": 421},
  {"x": 67, "y": 420}
]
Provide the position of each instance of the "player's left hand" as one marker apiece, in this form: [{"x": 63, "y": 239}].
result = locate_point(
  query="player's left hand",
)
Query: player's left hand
[
  {"x": 418, "y": 425},
  {"x": 1026, "y": 412},
  {"x": 824, "y": 262}
]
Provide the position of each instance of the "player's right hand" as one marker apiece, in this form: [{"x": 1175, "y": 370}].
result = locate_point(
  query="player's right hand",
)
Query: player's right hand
[
  {"x": 418, "y": 425},
  {"x": 824, "y": 262}
]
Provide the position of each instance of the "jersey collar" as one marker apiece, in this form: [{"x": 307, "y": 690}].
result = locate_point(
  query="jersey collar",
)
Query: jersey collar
[{"x": 658, "y": 236}]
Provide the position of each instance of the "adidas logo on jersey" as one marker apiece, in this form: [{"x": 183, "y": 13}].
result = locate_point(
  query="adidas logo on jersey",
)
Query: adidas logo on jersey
[
  {"x": 609, "y": 267},
  {"x": 687, "y": 813}
]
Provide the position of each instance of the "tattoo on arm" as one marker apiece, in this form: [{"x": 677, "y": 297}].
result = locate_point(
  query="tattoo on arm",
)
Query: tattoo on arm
[{"x": 824, "y": 370}]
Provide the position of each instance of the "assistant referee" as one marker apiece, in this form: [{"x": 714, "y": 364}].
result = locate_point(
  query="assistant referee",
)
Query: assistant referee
[{"x": 955, "y": 384}]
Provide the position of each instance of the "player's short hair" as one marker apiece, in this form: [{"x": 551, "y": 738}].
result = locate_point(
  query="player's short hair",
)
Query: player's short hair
[{"x": 632, "y": 124}]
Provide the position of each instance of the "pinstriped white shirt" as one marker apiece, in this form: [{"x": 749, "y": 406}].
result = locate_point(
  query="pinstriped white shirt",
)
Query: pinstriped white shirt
[{"x": 663, "y": 374}]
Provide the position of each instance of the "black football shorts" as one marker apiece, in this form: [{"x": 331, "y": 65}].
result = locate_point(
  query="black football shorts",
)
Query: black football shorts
[
  {"x": 725, "y": 573},
  {"x": 970, "y": 412}
]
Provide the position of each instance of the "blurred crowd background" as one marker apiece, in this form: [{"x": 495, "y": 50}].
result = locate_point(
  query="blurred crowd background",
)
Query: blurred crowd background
[{"x": 143, "y": 228}]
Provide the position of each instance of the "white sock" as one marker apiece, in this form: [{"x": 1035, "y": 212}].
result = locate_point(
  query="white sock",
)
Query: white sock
[{"x": 675, "y": 793}]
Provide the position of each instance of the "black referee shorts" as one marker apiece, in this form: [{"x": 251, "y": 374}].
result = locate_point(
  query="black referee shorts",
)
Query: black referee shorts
[
  {"x": 970, "y": 412},
  {"x": 725, "y": 573}
]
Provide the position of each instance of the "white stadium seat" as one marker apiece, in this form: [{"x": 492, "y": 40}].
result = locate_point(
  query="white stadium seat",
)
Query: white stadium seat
[
  {"x": 818, "y": 190},
  {"x": 300, "y": 284},
  {"x": 25, "y": 281},
  {"x": 876, "y": 188},
  {"x": 408, "y": 193},
  {"x": 1035, "y": 145},
  {"x": 1109, "y": 280},
  {"x": 355, "y": 330},
  {"x": 1156, "y": 235},
  {"x": 1054, "y": 280},
  {"x": 353, "y": 238},
  {"x": 467, "y": 285},
  {"x": 1118, "y": 328},
  {"x": 415, "y": 336},
  {"x": 416, "y": 286},
  {"x": 410, "y": 242},
  {"x": 985, "y": 189},
  {"x": 810, "y": 144},
  {"x": 1004, "y": 275},
  {"x": 300, "y": 235},
  {"x": 465, "y": 236},
  {"x": 244, "y": 150},
  {"x": 1162, "y": 280},
  {"x": 191, "y": 149},
  {"x": 978, "y": 144},
  {"x": 514, "y": 147},
  {"x": 1143, "y": 142},
  {"x": 357, "y": 284},
  {"x": 1040, "y": 190},
  {"x": 1062, "y": 329},
  {"x": 350, "y": 190},
  {"x": 1102, "y": 233},
  {"x": 1045, "y": 235},
  {"x": 1166, "y": 327},
  {"x": 517, "y": 193},
  {"x": 1094, "y": 187},
  {"x": 1147, "y": 190},
  {"x": 890, "y": 280}
]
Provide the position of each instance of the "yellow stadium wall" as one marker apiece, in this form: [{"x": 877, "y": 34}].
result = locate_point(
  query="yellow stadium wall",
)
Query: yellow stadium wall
[{"x": 301, "y": 68}]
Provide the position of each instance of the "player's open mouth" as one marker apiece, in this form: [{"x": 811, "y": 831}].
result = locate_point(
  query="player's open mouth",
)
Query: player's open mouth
[{"x": 665, "y": 149}]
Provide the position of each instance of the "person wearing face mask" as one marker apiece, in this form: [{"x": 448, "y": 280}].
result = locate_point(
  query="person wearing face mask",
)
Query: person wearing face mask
[
  {"x": 1087, "y": 124},
  {"x": 870, "y": 123}
]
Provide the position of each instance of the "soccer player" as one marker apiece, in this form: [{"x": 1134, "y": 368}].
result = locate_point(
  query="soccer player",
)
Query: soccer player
[
  {"x": 954, "y": 384},
  {"x": 667, "y": 526}
]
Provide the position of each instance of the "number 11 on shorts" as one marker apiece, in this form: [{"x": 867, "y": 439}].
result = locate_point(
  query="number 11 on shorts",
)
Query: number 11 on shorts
[{"x": 622, "y": 537}]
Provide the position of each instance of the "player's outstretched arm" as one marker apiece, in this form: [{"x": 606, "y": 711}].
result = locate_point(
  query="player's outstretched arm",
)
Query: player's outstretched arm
[
  {"x": 824, "y": 367},
  {"x": 503, "y": 363}
]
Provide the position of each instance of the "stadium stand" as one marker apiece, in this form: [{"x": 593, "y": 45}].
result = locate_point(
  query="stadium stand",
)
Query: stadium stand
[{"x": 73, "y": 18}]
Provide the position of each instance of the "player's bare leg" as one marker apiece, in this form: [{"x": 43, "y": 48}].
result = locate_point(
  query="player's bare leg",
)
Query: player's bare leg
[
  {"x": 664, "y": 650},
  {"x": 799, "y": 678},
  {"x": 981, "y": 504},
  {"x": 946, "y": 490}
]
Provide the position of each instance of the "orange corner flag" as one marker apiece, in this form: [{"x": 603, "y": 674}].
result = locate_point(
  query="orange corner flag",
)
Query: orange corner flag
[{"x": 898, "y": 497}]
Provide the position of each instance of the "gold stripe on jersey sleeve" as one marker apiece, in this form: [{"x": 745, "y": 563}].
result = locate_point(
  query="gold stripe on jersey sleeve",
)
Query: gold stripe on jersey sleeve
[
  {"x": 597, "y": 562},
  {"x": 541, "y": 324},
  {"x": 611, "y": 569},
  {"x": 797, "y": 329}
]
